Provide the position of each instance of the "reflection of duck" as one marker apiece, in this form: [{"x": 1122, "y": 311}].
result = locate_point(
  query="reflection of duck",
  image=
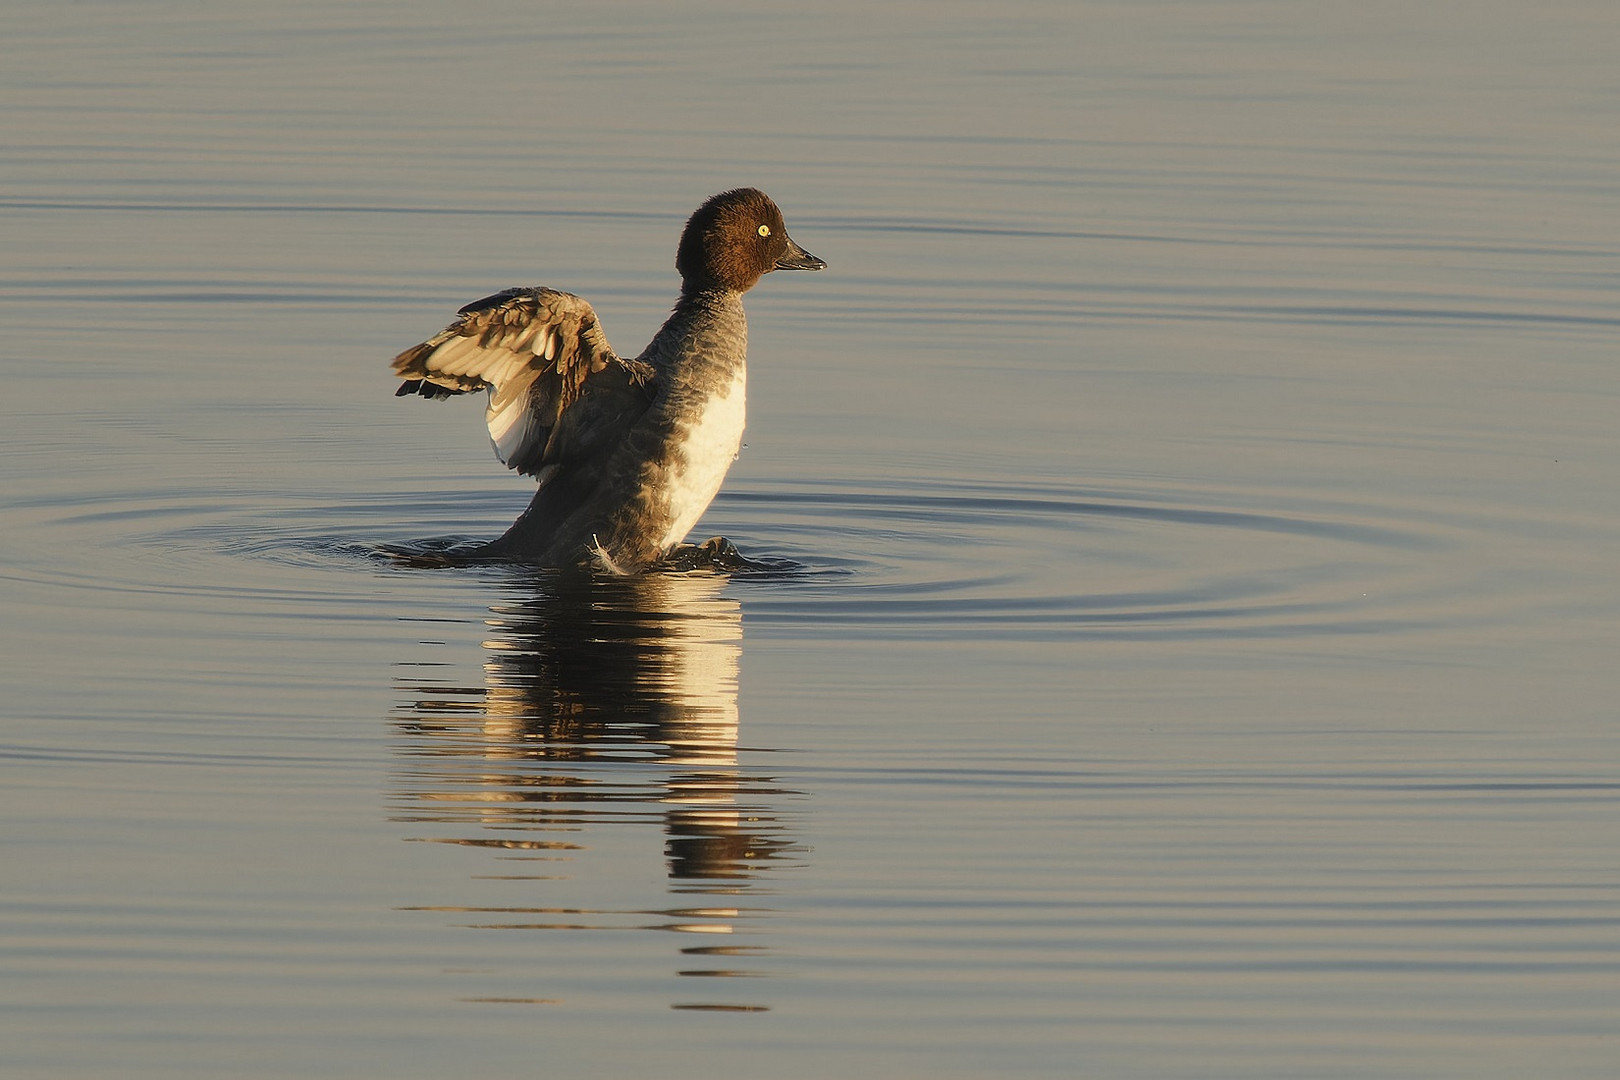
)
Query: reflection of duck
[
  {"x": 586, "y": 684},
  {"x": 628, "y": 453},
  {"x": 605, "y": 703}
]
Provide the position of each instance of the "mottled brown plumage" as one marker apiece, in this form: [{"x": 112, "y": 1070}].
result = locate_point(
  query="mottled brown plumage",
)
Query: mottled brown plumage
[{"x": 535, "y": 344}]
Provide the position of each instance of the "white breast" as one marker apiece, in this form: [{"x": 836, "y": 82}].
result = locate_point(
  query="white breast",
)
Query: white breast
[{"x": 702, "y": 461}]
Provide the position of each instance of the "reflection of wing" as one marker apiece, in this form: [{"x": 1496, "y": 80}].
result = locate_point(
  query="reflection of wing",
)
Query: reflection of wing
[{"x": 539, "y": 353}]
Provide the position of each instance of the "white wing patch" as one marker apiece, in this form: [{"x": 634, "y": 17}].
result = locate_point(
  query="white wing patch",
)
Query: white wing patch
[{"x": 511, "y": 421}]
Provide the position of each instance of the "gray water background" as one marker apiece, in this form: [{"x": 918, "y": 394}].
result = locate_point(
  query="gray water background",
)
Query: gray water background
[{"x": 1199, "y": 458}]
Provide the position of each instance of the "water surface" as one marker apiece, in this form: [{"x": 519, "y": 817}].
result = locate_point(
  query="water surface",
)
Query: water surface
[{"x": 1193, "y": 479}]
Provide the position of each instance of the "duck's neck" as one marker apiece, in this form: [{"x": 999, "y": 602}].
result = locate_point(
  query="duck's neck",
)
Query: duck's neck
[{"x": 704, "y": 338}]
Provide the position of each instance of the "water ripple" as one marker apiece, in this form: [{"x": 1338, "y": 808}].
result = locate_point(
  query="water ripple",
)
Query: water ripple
[
  {"x": 1050, "y": 562},
  {"x": 948, "y": 560}
]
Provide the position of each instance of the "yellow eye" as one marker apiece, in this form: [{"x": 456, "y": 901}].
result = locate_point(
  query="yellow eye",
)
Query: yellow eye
[{"x": 764, "y": 230}]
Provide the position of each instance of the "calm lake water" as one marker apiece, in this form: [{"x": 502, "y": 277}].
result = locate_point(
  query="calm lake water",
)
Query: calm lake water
[{"x": 1197, "y": 467}]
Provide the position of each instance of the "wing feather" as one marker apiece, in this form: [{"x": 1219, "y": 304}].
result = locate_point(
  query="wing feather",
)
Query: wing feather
[{"x": 537, "y": 352}]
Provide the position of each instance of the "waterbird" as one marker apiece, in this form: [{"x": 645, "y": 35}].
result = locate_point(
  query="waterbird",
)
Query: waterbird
[{"x": 628, "y": 454}]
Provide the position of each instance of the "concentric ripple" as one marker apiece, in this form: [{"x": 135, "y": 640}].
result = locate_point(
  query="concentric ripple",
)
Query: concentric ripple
[
  {"x": 1054, "y": 562},
  {"x": 950, "y": 560}
]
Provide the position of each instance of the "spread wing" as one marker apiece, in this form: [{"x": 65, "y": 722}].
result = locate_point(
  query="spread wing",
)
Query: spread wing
[{"x": 538, "y": 352}]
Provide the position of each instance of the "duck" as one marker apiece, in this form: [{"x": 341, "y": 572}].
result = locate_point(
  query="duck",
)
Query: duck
[{"x": 627, "y": 453}]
